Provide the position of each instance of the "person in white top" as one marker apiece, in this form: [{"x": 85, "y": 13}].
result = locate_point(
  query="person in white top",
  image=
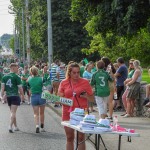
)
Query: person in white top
[{"x": 134, "y": 88}]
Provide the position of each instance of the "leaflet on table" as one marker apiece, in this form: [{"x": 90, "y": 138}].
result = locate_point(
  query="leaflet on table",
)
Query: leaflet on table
[{"x": 51, "y": 97}]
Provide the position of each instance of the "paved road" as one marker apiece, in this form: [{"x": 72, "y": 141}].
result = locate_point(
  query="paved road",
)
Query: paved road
[{"x": 26, "y": 138}]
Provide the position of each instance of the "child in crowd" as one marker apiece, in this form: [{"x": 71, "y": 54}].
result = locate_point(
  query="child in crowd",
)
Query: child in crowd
[{"x": 100, "y": 81}]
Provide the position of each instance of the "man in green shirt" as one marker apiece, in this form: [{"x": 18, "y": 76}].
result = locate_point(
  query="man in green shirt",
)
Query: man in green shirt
[
  {"x": 82, "y": 66},
  {"x": 100, "y": 82},
  {"x": 11, "y": 83}
]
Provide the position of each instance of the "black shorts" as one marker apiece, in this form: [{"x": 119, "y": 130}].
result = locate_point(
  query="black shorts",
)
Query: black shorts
[
  {"x": 13, "y": 100},
  {"x": 120, "y": 90},
  {"x": 25, "y": 90}
]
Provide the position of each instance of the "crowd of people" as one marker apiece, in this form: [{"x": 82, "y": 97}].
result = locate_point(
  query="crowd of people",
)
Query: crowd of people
[{"x": 110, "y": 86}]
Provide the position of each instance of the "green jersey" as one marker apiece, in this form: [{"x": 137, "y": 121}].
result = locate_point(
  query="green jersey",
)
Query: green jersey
[
  {"x": 11, "y": 81},
  {"x": 24, "y": 83},
  {"x": 100, "y": 81},
  {"x": 21, "y": 65},
  {"x": 131, "y": 73},
  {"x": 82, "y": 71},
  {"x": 46, "y": 79},
  {"x": 35, "y": 84},
  {"x": 93, "y": 70},
  {"x": 40, "y": 72}
]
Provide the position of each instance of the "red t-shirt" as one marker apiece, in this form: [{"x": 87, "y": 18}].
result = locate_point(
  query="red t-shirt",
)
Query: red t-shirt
[{"x": 79, "y": 87}]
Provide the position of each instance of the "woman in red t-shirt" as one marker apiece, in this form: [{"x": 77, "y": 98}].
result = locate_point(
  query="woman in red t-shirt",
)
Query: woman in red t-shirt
[{"x": 80, "y": 91}]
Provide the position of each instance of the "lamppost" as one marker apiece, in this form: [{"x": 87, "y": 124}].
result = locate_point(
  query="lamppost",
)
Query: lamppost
[
  {"x": 16, "y": 31},
  {"x": 50, "y": 49},
  {"x": 27, "y": 31}
]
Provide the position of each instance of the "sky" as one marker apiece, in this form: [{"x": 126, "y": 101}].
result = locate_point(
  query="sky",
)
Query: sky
[{"x": 6, "y": 19}]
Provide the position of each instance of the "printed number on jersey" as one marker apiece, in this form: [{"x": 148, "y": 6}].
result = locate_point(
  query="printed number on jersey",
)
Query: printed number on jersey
[
  {"x": 9, "y": 83},
  {"x": 102, "y": 81}
]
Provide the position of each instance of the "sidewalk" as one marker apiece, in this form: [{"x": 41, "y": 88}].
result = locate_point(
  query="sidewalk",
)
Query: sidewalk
[{"x": 140, "y": 124}]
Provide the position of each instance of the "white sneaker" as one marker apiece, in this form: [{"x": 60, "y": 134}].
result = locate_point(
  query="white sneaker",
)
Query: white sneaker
[
  {"x": 16, "y": 129},
  {"x": 28, "y": 103},
  {"x": 43, "y": 130}
]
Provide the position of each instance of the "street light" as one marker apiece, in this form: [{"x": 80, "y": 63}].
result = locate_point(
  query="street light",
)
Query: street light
[{"x": 50, "y": 49}]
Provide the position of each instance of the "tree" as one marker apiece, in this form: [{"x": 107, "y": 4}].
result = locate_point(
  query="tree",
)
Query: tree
[
  {"x": 68, "y": 37},
  {"x": 113, "y": 24}
]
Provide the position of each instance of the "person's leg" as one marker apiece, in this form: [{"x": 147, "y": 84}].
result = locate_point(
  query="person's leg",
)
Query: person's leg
[
  {"x": 105, "y": 104},
  {"x": 13, "y": 109},
  {"x": 100, "y": 106},
  {"x": 56, "y": 88},
  {"x": 132, "y": 107},
  {"x": 70, "y": 138},
  {"x": 111, "y": 103},
  {"x": 128, "y": 107},
  {"x": 118, "y": 105},
  {"x": 36, "y": 117},
  {"x": 42, "y": 109},
  {"x": 81, "y": 138},
  {"x": 146, "y": 99},
  {"x": 148, "y": 91},
  {"x": 124, "y": 101},
  {"x": 28, "y": 95}
]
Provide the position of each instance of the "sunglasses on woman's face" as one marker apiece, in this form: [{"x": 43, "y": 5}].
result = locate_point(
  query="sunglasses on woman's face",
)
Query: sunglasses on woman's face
[{"x": 131, "y": 63}]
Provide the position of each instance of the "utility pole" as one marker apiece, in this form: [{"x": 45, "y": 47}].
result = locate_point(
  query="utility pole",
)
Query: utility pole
[
  {"x": 50, "y": 49},
  {"x": 15, "y": 40},
  {"x": 28, "y": 31},
  {"x": 23, "y": 48}
]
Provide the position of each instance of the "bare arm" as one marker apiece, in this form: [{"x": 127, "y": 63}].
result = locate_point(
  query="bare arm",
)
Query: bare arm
[
  {"x": 117, "y": 74},
  {"x": 127, "y": 81},
  {"x": 21, "y": 91},
  {"x": 60, "y": 94},
  {"x": 90, "y": 98},
  {"x": 2, "y": 89}
]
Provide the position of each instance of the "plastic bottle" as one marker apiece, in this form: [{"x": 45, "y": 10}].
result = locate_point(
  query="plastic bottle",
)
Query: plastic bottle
[
  {"x": 115, "y": 123},
  {"x": 115, "y": 95},
  {"x": 86, "y": 111}
]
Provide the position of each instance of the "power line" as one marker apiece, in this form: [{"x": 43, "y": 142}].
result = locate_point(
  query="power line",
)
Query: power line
[
  {"x": 7, "y": 14},
  {"x": 4, "y": 4},
  {"x": 4, "y": 9},
  {"x": 4, "y": 1}
]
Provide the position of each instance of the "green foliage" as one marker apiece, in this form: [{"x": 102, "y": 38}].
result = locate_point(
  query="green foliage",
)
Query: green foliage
[
  {"x": 11, "y": 43},
  {"x": 117, "y": 27},
  {"x": 5, "y": 38},
  {"x": 139, "y": 47},
  {"x": 68, "y": 37},
  {"x": 145, "y": 76}
]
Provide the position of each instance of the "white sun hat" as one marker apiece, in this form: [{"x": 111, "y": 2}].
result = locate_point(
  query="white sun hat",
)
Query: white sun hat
[
  {"x": 78, "y": 111},
  {"x": 90, "y": 118},
  {"x": 104, "y": 123}
]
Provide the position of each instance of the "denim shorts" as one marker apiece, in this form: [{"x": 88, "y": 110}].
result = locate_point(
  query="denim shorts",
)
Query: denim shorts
[{"x": 36, "y": 100}]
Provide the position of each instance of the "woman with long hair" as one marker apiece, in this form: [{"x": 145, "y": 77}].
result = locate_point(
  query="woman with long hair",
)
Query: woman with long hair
[
  {"x": 133, "y": 87},
  {"x": 130, "y": 74},
  {"x": 79, "y": 90},
  {"x": 35, "y": 84},
  {"x": 109, "y": 65}
]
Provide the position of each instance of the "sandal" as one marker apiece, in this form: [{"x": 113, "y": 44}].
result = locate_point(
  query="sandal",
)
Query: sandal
[
  {"x": 126, "y": 116},
  {"x": 148, "y": 104}
]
